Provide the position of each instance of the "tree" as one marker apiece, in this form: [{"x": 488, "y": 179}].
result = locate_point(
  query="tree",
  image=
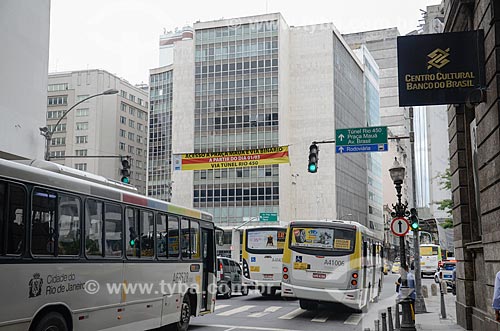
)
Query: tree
[{"x": 446, "y": 204}]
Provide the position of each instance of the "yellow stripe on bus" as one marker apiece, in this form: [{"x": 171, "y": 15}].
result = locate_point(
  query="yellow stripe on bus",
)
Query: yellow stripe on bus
[
  {"x": 287, "y": 254},
  {"x": 356, "y": 256}
]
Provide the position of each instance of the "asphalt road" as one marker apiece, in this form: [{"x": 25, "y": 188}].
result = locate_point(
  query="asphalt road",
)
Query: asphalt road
[{"x": 255, "y": 312}]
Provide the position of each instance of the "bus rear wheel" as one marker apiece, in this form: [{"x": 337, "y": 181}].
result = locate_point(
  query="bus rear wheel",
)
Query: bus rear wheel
[
  {"x": 52, "y": 322},
  {"x": 308, "y": 304}
]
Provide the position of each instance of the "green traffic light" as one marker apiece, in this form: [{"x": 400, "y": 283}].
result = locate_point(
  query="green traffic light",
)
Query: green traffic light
[
  {"x": 125, "y": 180},
  {"x": 132, "y": 242},
  {"x": 313, "y": 167},
  {"x": 414, "y": 225}
]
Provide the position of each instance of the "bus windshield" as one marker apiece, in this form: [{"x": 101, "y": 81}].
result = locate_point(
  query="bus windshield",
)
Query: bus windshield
[
  {"x": 265, "y": 240},
  {"x": 330, "y": 239},
  {"x": 429, "y": 250}
]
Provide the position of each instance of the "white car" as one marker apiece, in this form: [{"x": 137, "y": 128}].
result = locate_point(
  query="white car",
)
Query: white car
[{"x": 445, "y": 273}]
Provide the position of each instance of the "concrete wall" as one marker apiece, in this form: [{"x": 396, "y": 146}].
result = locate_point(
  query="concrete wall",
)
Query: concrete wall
[{"x": 24, "y": 34}]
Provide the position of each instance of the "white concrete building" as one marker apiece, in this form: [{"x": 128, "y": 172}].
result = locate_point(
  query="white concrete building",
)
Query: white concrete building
[
  {"x": 24, "y": 36},
  {"x": 260, "y": 84},
  {"x": 94, "y": 135}
]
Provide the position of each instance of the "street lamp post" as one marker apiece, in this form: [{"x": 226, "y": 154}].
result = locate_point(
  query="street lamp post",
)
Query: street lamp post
[
  {"x": 48, "y": 133},
  {"x": 397, "y": 173}
]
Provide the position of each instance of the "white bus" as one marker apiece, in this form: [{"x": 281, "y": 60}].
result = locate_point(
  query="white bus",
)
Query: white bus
[
  {"x": 331, "y": 261},
  {"x": 80, "y": 252},
  {"x": 430, "y": 259},
  {"x": 262, "y": 251}
]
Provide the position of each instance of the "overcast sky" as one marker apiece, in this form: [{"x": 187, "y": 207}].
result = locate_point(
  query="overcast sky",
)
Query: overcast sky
[{"x": 121, "y": 36}]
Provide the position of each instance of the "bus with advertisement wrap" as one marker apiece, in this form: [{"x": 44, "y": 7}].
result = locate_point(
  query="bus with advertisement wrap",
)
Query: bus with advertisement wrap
[
  {"x": 81, "y": 252},
  {"x": 262, "y": 250},
  {"x": 331, "y": 261}
]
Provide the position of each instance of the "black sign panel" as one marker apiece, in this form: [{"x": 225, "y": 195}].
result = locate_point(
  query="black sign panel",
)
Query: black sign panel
[{"x": 444, "y": 68}]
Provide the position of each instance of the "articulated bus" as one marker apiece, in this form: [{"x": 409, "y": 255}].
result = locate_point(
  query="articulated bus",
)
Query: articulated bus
[
  {"x": 80, "y": 252},
  {"x": 331, "y": 261},
  {"x": 262, "y": 251}
]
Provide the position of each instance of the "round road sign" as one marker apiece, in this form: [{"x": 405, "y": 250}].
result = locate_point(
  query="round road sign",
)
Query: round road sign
[{"x": 400, "y": 226}]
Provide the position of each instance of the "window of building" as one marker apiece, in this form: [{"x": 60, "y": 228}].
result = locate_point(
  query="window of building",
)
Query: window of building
[
  {"x": 82, "y": 112},
  {"x": 81, "y": 152},
  {"x": 81, "y": 166},
  {"x": 58, "y": 141},
  {"x": 123, "y": 133},
  {"x": 139, "y": 139},
  {"x": 57, "y": 100},
  {"x": 123, "y": 107},
  {"x": 131, "y": 123},
  {"x": 54, "y": 114},
  {"x": 131, "y": 136},
  {"x": 139, "y": 126},
  {"x": 131, "y": 111},
  {"x": 57, "y": 87},
  {"x": 139, "y": 151},
  {"x": 131, "y": 97},
  {"x": 123, "y": 120},
  {"x": 122, "y": 146},
  {"x": 81, "y": 139},
  {"x": 140, "y": 101},
  {"x": 123, "y": 93},
  {"x": 140, "y": 114},
  {"x": 131, "y": 149},
  {"x": 60, "y": 127},
  {"x": 57, "y": 154},
  {"x": 138, "y": 164},
  {"x": 81, "y": 97},
  {"x": 82, "y": 126}
]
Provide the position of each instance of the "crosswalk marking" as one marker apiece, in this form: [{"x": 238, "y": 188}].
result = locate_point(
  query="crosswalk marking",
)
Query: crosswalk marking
[
  {"x": 322, "y": 317},
  {"x": 292, "y": 314},
  {"x": 235, "y": 311},
  {"x": 354, "y": 319},
  {"x": 268, "y": 310},
  {"x": 217, "y": 307}
]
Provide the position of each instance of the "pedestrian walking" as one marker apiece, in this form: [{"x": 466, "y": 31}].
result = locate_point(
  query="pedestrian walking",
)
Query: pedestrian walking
[{"x": 496, "y": 297}]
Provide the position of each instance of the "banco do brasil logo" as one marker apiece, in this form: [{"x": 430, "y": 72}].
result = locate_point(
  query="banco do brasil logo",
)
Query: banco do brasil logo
[{"x": 438, "y": 58}]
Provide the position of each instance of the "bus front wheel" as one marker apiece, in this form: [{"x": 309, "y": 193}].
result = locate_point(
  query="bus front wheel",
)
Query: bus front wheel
[
  {"x": 52, "y": 321},
  {"x": 183, "y": 323}
]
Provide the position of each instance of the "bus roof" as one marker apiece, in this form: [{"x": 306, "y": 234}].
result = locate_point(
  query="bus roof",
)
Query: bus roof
[
  {"x": 59, "y": 177},
  {"x": 337, "y": 223}
]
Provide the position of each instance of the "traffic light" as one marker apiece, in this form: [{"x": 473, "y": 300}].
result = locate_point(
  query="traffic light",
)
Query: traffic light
[
  {"x": 313, "y": 158},
  {"x": 414, "y": 219},
  {"x": 125, "y": 171}
]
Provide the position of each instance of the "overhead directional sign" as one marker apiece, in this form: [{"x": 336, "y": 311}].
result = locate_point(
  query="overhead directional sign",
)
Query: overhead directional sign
[
  {"x": 400, "y": 226},
  {"x": 355, "y": 140},
  {"x": 268, "y": 217}
]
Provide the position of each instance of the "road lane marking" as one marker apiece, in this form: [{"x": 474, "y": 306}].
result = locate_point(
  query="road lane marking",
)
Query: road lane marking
[
  {"x": 235, "y": 311},
  {"x": 232, "y": 327},
  {"x": 354, "y": 319},
  {"x": 322, "y": 317},
  {"x": 268, "y": 310},
  {"x": 292, "y": 314},
  {"x": 218, "y": 307}
]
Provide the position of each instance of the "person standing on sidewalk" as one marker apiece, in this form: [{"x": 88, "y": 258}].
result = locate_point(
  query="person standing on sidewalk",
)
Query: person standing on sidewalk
[{"x": 496, "y": 297}]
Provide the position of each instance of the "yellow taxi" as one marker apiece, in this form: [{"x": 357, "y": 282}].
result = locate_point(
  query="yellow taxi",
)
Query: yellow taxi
[
  {"x": 395, "y": 267},
  {"x": 386, "y": 268}
]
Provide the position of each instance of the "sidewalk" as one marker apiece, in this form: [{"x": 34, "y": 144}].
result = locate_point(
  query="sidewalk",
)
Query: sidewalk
[{"x": 432, "y": 320}]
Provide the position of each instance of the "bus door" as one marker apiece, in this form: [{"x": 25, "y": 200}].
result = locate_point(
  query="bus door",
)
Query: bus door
[{"x": 208, "y": 250}]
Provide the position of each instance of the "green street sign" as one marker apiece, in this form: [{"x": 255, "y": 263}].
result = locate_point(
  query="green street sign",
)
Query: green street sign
[
  {"x": 361, "y": 136},
  {"x": 268, "y": 217}
]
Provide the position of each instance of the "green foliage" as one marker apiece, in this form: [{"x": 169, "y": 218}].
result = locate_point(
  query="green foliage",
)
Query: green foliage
[{"x": 446, "y": 204}]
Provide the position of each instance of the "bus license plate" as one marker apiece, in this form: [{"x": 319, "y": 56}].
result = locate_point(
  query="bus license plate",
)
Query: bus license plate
[
  {"x": 319, "y": 275},
  {"x": 268, "y": 276}
]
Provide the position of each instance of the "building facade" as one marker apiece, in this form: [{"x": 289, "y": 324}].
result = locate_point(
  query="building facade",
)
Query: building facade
[
  {"x": 474, "y": 142},
  {"x": 96, "y": 133},
  {"x": 24, "y": 34},
  {"x": 262, "y": 84}
]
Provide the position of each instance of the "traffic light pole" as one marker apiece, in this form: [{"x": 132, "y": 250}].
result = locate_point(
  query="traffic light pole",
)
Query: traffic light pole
[{"x": 419, "y": 300}]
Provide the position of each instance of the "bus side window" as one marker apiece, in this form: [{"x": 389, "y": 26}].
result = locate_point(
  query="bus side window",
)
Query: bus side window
[
  {"x": 132, "y": 229},
  {"x": 173, "y": 237},
  {"x": 113, "y": 230},
  {"x": 43, "y": 233},
  {"x": 161, "y": 236},
  {"x": 147, "y": 230},
  {"x": 93, "y": 228},
  {"x": 12, "y": 200},
  {"x": 195, "y": 240},
  {"x": 68, "y": 226},
  {"x": 185, "y": 239}
]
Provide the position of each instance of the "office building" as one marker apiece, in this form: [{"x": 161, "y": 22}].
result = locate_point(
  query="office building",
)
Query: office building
[
  {"x": 24, "y": 33},
  {"x": 256, "y": 84},
  {"x": 98, "y": 132}
]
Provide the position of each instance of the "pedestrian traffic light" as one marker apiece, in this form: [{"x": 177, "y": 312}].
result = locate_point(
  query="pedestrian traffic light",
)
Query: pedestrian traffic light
[
  {"x": 414, "y": 219},
  {"x": 125, "y": 171},
  {"x": 313, "y": 158}
]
